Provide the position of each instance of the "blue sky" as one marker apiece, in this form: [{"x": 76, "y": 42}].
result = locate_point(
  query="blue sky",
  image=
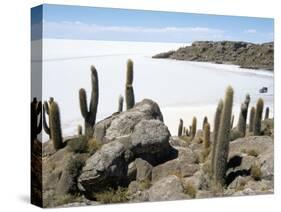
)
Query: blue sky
[{"x": 90, "y": 23}]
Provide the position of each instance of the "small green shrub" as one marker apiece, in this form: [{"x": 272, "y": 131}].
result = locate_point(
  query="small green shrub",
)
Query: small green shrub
[
  {"x": 256, "y": 171},
  {"x": 78, "y": 145},
  {"x": 112, "y": 196},
  {"x": 190, "y": 190}
]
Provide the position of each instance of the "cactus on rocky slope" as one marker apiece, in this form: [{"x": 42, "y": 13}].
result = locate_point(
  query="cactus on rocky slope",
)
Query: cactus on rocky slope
[
  {"x": 180, "y": 128},
  {"x": 89, "y": 115},
  {"x": 216, "y": 131},
  {"x": 258, "y": 117},
  {"x": 252, "y": 119},
  {"x": 242, "y": 121},
  {"x": 129, "y": 90},
  {"x": 120, "y": 103},
  {"x": 205, "y": 120},
  {"x": 206, "y": 135},
  {"x": 223, "y": 138},
  {"x": 193, "y": 128},
  {"x": 55, "y": 125}
]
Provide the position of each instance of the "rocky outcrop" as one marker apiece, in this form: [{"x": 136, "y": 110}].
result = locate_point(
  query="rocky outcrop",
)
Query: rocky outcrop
[
  {"x": 246, "y": 55},
  {"x": 143, "y": 138}
]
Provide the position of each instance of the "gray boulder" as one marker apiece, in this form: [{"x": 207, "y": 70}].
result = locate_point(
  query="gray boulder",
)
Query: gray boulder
[{"x": 168, "y": 188}]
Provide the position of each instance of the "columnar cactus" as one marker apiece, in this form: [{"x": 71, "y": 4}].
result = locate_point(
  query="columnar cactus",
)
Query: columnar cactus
[
  {"x": 89, "y": 115},
  {"x": 247, "y": 100},
  {"x": 222, "y": 146},
  {"x": 180, "y": 128},
  {"x": 252, "y": 119},
  {"x": 216, "y": 131},
  {"x": 55, "y": 126},
  {"x": 242, "y": 121},
  {"x": 258, "y": 117},
  {"x": 266, "y": 113},
  {"x": 205, "y": 120},
  {"x": 193, "y": 128},
  {"x": 120, "y": 103},
  {"x": 129, "y": 91},
  {"x": 36, "y": 111},
  {"x": 206, "y": 134}
]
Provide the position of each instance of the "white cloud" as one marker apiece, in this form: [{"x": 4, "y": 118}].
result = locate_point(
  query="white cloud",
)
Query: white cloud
[
  {"x": 250, "y": 31},
  {"x": 82, "y": 30}
]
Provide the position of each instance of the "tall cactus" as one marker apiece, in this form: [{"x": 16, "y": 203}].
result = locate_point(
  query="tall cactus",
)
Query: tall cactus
[
  {"x": 180, "y": 128},
  {"x": 247, "y": 100},
  {"x": 222, "y": 147},
  {"x": 120, "y": 103},
  {"x": 266, "y": 113},
  {"x": 193, "y": 127},
  {"x": 129, "y": 90},
  {"x": 55, "y": 125},
  {"x": 89, "y": 115},
  {"x": 36, "y": 111},
  {"x": 206, "y": 135},
  {"x": 216, "y": 131},
  {"x": 258, "y": 117},
  {"x": 205, "y": 121},
  {"x": 242, "y": 121},
  {"x": 252, "y": 119}
]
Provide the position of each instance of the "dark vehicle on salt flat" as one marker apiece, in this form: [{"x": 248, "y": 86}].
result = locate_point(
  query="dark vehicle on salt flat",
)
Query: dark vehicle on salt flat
[{"x": 263, "y": 90}]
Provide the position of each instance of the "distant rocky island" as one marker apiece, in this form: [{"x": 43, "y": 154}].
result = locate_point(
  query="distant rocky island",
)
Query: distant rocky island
[{"x": 244, "y": 54}]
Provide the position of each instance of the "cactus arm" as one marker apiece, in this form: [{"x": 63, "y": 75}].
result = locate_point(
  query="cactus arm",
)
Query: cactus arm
[
  {"x": 83, "y": 103},
  {"x": 94, "y": 96}
]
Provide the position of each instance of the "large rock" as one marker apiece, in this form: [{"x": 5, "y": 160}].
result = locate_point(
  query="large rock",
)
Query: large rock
[
  {"x": 120, "y": 124},
  {"x": 107, "y": 166},
  {"x": 168, "y": 188},
  {"x": 136, "y": 133}
]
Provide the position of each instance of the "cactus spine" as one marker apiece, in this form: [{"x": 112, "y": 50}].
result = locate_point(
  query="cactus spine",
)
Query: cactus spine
[
  {"x": 216, "y": 131},
  {"x": 252, "y": 119},
  {"x": 242, "y": 119},
  {"x": 129, "y": 91},
  {"x": 193, "y": 127},
  {"x": 223, "y": 137},
  {"x": 180, "y": 128},
  {"x": 89, "y": 115},
  {"x": 206, "y": 140},
  {"x": 258, "y": 117},
  {"x": 120, "y": 103},
  {"x": 36, "y": 110},
  {"x": 266, "y": 113},
  {"x": 55, "y": 126}
]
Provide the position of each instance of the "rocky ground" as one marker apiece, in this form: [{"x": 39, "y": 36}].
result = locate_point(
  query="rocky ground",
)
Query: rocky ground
[
  {"x": 246, "y": 55},
  {"x": 133, "y": 158}
]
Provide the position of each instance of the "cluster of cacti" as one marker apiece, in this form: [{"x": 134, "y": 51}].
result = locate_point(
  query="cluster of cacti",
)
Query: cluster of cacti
[
  {"x": 89, "y": 115},
  {"x": 252, "y": 119},
  {"x": 221, "y": 149},
  {"x": 120, "y": 104},
  {"x": 129, "y": 91},
  {"x": 180, "y": 128},
  {"x": 36, "y": 111},
  {"x": 193, "y": 128},
  {"x": 54, "y": 131},
  {"x": 258, "y": 117}
]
